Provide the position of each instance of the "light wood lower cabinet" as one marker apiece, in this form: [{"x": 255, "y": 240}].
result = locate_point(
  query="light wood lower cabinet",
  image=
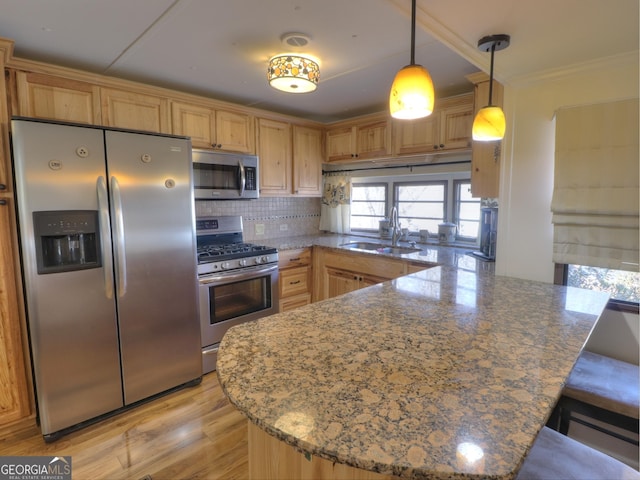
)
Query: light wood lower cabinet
[
  {"x": 339, "y": 272},
  {"x": 295, "y": 278}
]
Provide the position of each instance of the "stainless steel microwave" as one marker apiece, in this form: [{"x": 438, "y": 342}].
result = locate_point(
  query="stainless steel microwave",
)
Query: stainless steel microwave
[{"x": 224, "y": 176}]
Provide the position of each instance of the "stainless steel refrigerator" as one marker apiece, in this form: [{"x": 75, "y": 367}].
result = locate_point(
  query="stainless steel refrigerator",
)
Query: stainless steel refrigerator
[{"x": 106, "y": 221}]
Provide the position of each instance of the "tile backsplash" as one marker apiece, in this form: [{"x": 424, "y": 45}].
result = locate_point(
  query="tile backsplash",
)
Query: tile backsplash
[{"x": 275, "y": 217}]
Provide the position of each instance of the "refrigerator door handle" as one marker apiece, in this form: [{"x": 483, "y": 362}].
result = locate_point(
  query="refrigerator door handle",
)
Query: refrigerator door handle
[
  {"x": 105, "y": 235},
  {"x": 120, "y": 263}
]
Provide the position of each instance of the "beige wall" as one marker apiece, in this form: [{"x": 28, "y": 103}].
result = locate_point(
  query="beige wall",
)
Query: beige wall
[{"x": 525, "y": 231}]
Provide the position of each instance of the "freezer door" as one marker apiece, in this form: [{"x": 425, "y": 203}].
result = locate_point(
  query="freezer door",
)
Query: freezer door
[
  {"x": 72, "y": 318},
  {"x": 155, "y": 261}
]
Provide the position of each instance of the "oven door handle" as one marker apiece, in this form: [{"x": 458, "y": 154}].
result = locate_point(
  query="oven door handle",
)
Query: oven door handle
[
  {"x": 241, "y": 275},
  {"x": 243, "y": 177}
]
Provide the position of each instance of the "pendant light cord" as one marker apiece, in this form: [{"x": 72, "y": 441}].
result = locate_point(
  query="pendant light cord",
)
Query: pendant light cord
[
  {"x": 413, "y": 32},
  {"x": 493, "y": 50}
]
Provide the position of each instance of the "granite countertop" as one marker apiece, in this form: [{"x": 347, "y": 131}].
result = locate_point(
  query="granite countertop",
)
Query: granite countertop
[
  {"x": 430, "y": 253},
  {"x": 446, "y": 373}
]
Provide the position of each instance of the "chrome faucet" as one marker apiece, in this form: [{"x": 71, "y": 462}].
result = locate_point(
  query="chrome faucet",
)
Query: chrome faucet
[{"x": 395, "y": 226}]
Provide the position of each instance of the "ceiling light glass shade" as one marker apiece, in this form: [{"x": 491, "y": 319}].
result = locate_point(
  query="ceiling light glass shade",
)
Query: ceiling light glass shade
[
  {"x": 293, "y": 73},
  {"x": 411, "y": 93},
  {"x": 489, "y": 124}
]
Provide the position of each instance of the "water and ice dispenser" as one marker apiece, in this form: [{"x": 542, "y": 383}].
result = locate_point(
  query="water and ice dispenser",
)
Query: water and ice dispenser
[{"x": 66, "y": 240}]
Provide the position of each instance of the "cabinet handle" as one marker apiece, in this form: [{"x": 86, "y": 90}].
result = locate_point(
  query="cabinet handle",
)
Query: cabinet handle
[
  {"x": 3, "y": 186},
  {"x": 294, "y": 283},
  {"x": 294, "y": 259},
  {"x": 3, "y": 201},
  {"x": 216, "y": 145}
]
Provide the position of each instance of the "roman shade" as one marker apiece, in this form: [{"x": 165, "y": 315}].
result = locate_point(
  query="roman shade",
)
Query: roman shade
[{"x": 595, "y": 197}]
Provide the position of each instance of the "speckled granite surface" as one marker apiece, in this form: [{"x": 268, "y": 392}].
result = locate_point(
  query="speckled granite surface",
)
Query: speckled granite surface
[
  {"x": 431, "y": 253},
  {"x": 447, "y": 373}
]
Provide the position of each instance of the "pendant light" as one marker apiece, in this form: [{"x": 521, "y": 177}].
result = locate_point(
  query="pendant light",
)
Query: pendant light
[
  {"x": 411, "y": 93},
  {"x": 489, "y": 123}
]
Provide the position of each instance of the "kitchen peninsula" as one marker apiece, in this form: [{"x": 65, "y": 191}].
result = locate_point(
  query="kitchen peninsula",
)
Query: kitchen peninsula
[{"x": 445, "y": 373}]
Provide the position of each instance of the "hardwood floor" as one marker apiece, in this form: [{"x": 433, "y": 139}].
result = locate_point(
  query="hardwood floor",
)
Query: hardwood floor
[{"x": 194, "y": 433}]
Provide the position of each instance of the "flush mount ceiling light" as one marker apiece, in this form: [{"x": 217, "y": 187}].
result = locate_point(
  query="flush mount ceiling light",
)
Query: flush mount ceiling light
[
  {"x": 293, "y": 72},
  {"x": 489, "y": 123},
  {"x": 411, "y": 93}
]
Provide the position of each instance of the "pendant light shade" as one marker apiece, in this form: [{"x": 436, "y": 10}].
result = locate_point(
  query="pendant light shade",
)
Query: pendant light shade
[
  {"x": 489, "y": 123},
  {"x": 411, "y": 94}
]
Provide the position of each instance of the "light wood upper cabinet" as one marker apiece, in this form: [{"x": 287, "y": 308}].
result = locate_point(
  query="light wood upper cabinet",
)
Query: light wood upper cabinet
[
  {"x": 447, "y": 128},
  {"x": 274, "y": 151},
  {"x": 290, "y": 159},
  {"x": 307, "y": 161},
  {"x": 55, "y": 98},
  {"x": 135, "y": 111},
  {"x": 362, "y": 141},
  {"x": 485, "y": 156},
  {"x": 213, "y": 129}
]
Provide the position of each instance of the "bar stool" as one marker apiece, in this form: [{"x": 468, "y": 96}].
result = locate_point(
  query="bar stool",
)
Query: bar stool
[
  {"x": 601, "y": 388},
  {"x": 554, "y": 456}
]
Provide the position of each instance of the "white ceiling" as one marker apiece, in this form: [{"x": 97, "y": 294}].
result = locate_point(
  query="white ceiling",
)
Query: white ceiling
[{"x": 220, "y": 48}]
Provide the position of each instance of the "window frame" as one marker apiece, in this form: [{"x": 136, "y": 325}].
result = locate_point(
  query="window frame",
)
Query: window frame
[
  {"x": 420, "y": 178},
  {"x": 456, "y": 210},
  {"x": 445, "y": 203}
]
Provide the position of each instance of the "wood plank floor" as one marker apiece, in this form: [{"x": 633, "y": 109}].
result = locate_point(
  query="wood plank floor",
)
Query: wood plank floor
[{"x": 194, "y": 433}]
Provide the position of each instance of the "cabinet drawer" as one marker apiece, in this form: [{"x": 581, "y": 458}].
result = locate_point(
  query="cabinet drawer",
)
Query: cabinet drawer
[
  {"x": 294, "y": 281},
  {"x": 294, "y": 258},
  {"x": 290, "y": 303}
]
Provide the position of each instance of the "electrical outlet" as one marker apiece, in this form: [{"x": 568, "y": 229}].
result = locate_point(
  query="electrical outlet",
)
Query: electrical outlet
[
  {"x": 259, "y": 228},
  {"x": 283, "y": 227}
]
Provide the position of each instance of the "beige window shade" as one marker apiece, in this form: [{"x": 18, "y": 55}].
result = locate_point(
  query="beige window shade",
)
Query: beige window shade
[{"x": 596, "y": 200}]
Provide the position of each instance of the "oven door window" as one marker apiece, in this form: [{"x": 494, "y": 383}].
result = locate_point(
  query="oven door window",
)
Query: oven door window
[
  {"x": 209, "y": 176},
  {"x": 233, "y": 300}
]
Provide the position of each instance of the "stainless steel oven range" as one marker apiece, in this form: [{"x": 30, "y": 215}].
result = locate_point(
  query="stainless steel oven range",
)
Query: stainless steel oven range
[{"x": 238, "y": 281}]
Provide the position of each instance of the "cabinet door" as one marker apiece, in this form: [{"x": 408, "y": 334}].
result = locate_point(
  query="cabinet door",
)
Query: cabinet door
[
  {"x": 455, "y": 127},
  {"x": 416, "y": 136},
  {"x": 14, "y": 397},
  {"x": 55, "y": 98},
  {"x": 134, "y": 111},
  {"x": 234, "y": 132},
  {"x": 485, "y": 156},
  {"x": 339, "y": 282},
  {"x": 195, "y": 122},
  {"x": 307, "y": 161},
  {"x": 274, "y": 150},
  {"x": 373, "y": 140},
  {"x": 340, "y": 144}
]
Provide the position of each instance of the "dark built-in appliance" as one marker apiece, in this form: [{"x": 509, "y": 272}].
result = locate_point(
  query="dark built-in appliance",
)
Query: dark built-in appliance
[
  {"x": 238, "y": 281},
  {"x": 488, "y": 234}
]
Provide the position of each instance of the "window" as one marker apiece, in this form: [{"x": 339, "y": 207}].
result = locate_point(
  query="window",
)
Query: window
[
  {"x": 620, "y": 284},
  {"x": 467, "y": 210},
  {"x": 423, "y": 203},
  {"x": 368, "y": 205},
  {"x": 421, "y": 206}
]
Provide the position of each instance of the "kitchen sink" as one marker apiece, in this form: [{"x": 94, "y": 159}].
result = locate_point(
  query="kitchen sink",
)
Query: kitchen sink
[{"x": 379, "y": 247}]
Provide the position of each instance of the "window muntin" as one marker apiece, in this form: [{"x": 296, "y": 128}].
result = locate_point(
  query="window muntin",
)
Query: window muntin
[{"x": 368, "y": 205}]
